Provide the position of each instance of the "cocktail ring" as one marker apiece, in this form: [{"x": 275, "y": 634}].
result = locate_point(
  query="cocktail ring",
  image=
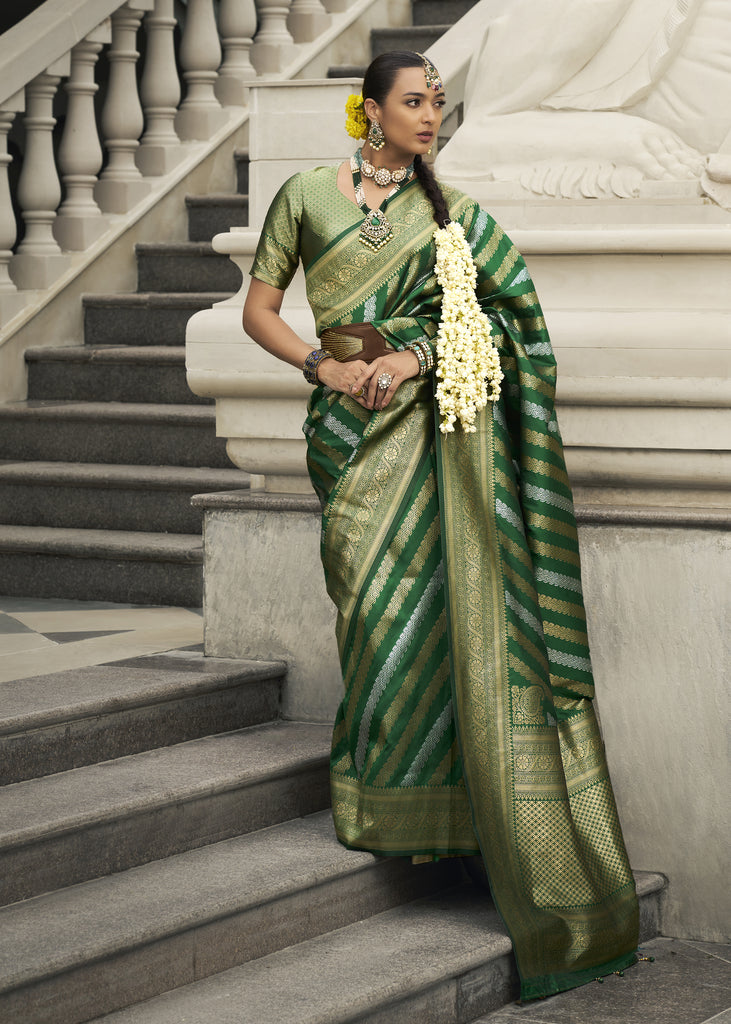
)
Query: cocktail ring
[{"x": 384, "y": 381}]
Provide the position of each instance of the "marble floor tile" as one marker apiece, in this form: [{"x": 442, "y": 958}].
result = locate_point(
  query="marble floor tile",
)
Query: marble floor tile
[
  {"x": 85, "y": 619},
  {"x": 38, "y": 637},
  {"x": 684, "y": 985},
  {"x": 12, "y": 644}
]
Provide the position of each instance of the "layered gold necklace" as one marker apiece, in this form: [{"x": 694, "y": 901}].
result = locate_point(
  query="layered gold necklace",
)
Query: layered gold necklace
[{"x": 376, "y": 229}]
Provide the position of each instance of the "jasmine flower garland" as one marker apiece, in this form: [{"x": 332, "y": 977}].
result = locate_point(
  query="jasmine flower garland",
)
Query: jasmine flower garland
[{"x": 468, "y": 364}]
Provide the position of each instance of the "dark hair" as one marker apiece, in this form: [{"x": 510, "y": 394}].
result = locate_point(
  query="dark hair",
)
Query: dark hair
[{"x": 377, "y": 84}]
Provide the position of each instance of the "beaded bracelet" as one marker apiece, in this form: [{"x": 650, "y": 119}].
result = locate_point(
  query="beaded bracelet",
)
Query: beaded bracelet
[
  {"x": 312, "y": 361},
  {"x": 424, "y": 354}
]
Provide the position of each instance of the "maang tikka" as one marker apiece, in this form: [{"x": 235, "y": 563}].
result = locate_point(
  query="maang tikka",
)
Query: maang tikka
[
  {"x": 433, "y": 81},
  {"x": 376, "y": 138}
]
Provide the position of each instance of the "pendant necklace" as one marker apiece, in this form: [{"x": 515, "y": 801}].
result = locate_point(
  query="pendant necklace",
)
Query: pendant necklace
[{"x": 376, "y": 230}]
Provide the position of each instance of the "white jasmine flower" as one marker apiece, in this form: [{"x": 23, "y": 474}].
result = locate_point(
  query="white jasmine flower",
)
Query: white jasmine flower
[{"x": 468, "y": 365}]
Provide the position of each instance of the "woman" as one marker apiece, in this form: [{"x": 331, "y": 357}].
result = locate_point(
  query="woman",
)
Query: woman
[{"x": 467, "y": 724}]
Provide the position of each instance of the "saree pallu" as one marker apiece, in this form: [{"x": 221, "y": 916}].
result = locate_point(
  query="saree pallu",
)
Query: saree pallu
[{"x": 467, "y": 721}]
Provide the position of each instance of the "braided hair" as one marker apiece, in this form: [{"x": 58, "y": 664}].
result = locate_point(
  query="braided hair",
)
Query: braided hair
[{"x": 377, "y": 84}]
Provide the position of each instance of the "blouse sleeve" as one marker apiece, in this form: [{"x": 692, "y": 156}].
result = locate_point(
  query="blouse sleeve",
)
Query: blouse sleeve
[{"x": 277, "y": 253}]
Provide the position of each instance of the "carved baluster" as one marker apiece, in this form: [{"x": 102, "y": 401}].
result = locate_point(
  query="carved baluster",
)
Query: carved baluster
[
  {"x": 79, "y": 219},
  {"x": 10, "y": 299},
  {"x": 121, "y": 186},
  {"x": 160, "y": 92},
  {"x": 237, "y": 25},
  {"x": 200, "y": 55},
  {"x": 39, "y": 260},
  {"x": 307, "y": 19},
  {"x": 273, "y": 45}
]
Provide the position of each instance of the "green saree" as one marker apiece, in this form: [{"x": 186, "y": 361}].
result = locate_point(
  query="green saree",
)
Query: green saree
[{"x": 467, "y": 722}]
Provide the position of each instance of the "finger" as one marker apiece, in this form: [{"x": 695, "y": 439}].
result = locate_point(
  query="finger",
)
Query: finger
[{"x": 384, "y": 394}]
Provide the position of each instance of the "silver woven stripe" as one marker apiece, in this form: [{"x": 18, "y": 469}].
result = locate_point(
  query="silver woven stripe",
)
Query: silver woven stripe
[
  {"x": 520, "y": 278},
  {"x": 429, "y": 745},
  {"x": 477, "y": 229},
  {"x": 369, "y": 309},
  {"x": 536, "y": 412},
  {"x": 558, "y": 579},
  {"x": 528, "y": 617},
  {"x": 538, "y": 348},
  {"x": 505, "y": 512},
  {"x": 570, "y": 660},
  {"x": 498, "y": 414},
  {"x": 333, "y": 424},
  {"x": 542, "y": 494},
  {"x": 399, "y": 648}
]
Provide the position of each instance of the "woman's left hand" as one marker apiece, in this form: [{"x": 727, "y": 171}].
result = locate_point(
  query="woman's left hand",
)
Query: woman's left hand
[{"x": 399, "y": 366}]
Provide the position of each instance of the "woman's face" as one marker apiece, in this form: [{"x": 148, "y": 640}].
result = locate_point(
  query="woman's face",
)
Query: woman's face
[{"x": 410, "y": 115}]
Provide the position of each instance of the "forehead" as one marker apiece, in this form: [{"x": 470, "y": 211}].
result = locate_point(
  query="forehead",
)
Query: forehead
[{"x": 409, "y": 80}]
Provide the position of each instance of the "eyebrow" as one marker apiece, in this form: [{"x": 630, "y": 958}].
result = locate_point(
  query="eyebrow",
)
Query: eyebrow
[{"x": 414, "y": 93}]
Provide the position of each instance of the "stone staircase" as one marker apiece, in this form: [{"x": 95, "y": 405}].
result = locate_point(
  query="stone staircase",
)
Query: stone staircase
[
  {"x": 430, "y": 19},
  {"x": 167, "y": 855},
  {"x": 98, "y": 466}
]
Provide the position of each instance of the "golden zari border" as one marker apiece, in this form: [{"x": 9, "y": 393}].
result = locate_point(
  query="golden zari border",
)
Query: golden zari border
[{"x": 406, "y": 821}]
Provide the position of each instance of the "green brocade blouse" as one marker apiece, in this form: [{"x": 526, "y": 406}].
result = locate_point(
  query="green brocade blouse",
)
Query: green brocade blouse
[{"x": 310, "y": 215}]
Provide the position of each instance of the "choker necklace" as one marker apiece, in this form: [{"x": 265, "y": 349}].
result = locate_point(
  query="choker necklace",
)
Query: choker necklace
[
  {"x": 376, "y": 229},
  {"x": 382, "y": 176}
]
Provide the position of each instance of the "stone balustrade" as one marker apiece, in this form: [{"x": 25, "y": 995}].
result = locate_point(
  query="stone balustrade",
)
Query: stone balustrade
[{"x": 82, "y": 141}]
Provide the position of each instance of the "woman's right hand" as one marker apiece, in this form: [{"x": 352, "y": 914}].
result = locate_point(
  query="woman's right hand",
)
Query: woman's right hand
[{"x": 343, "y": 377}]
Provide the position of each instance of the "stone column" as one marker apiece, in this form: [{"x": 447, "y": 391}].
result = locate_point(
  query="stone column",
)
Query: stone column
[
  {"x": 39, "y": 260},
  {"x": 79, "y": 219},
  {"x": 307, "y": 19},
  {"x": 273, "y": 45},
  {"x": 121, "y": 186},
  {"x": 237, "y": 23},
  {"x": 160, "y": 93},
  {"x": 10, "y": 299},
  {"x": 200, "y": 56}
]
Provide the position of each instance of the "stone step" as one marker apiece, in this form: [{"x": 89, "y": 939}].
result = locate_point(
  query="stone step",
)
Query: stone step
[
  {"x": 241, "y": 160},
  {"x": 102, "y": 565},
  {"x": 184, "y": 266},
  {"x": 210, "y": 214},
  {"x": 111, "y": 373},
  {"x": 63, "y": 720},
  {"x": 91, "y": 821},
  {"x": 346, "y": 70},
  {"x": 115, "y": 432},
  {"x": 406, "y": 37},
  {"x": 104, "y": 944},
  {"x": 439, "y": 12},
  {"x": 144, "y": 318},
  {"x": 102, "y": 496},
  {"x": 443, "y": 959}
]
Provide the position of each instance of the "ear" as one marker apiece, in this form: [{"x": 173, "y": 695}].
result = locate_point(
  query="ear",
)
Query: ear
[{"x": 372, "y": 110}]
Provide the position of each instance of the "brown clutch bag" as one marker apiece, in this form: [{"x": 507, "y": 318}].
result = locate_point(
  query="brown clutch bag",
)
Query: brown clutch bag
[{"x": 354, "y": 341}]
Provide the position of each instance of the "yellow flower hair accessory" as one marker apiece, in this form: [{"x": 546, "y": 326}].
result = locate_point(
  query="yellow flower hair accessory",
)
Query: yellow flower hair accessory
[
  {"x": 468, "y": 365},
  {"x": 356, "y": 123}
]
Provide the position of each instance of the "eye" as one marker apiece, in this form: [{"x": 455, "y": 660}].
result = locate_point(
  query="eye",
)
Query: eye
[{"x": 413, "y": 102}]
